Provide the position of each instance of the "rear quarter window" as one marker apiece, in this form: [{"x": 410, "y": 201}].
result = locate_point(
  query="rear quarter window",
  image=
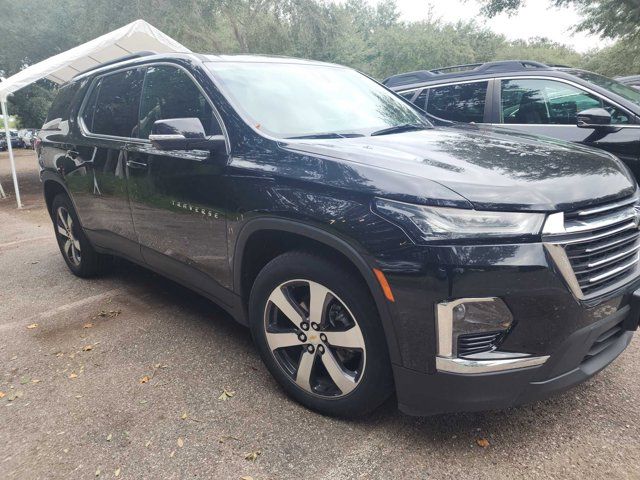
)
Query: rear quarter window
[{"x": 61, "y": 106}]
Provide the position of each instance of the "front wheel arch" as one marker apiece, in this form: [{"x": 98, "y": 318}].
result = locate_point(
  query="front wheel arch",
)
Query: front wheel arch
[{"x": 331, "y": 242}]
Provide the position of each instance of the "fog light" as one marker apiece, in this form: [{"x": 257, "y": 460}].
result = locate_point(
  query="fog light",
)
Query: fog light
[{"x": 477, "y": 322}]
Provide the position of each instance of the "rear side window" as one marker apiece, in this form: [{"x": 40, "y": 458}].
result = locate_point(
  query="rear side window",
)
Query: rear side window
[
  {"x": 117, "y": 103},
  {"x": 170, "y": 93},
  {"x": 61, "y": 105},
  {"x": 459, "y": 103}
]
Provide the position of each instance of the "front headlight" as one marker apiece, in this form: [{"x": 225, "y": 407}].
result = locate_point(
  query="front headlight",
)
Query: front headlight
[{"x": 427, "y": 224}]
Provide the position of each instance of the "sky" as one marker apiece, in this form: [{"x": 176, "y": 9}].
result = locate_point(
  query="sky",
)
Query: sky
[{"x": 536, "y": 19}]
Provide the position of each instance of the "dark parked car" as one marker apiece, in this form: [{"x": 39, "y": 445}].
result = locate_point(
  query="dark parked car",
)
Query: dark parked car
[
  {"x": 632, "y": 81},
  {"x": 367, "y": 250},
  {"x": 16, "y": 141},
  {"x": 560, "y": 102}
]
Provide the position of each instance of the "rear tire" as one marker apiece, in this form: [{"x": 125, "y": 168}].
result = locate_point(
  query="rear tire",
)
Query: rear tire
[
  {"x": 79, "y": 255},
  {"x": 338, "y": 364}
]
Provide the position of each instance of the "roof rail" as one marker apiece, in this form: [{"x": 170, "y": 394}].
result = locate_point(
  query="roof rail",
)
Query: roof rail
[
  {"x": 124, "y": 58},
  {"x": 465, "y": 69}
]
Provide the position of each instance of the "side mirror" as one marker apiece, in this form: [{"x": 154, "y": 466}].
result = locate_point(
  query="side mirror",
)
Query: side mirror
[
  {"x": 183, "y": 134},
  {"x": 594, "y": 118}
]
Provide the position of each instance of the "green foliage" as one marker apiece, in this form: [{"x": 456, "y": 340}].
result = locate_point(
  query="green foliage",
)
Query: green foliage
[
  {"x": 371, "y": 38},
  {"x": 607, "y": 18}
]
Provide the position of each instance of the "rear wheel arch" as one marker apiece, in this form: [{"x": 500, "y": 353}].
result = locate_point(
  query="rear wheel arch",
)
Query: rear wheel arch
[{"x": 276, "y": 236}]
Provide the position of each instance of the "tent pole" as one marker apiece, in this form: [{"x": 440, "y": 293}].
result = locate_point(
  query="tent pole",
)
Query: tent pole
[{"x": 5, "y": 114}]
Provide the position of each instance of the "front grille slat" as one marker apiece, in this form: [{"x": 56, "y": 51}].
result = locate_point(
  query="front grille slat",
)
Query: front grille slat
[{"x": 602, "y": 246}]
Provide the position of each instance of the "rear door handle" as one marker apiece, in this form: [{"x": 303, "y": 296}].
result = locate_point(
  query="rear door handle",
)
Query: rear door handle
[{"x": 134, "y": 164}]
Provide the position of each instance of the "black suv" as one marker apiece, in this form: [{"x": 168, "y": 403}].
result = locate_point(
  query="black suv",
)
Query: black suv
[
  {"x": 632, "y": 81},
  {"x": 368, "y": 251},
  {"x": 565, "y": 103}
]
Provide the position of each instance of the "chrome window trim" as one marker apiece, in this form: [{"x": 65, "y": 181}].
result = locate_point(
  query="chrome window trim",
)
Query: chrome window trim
[
  {"x": 86, "y": 133},
  {"x": 459, "y": 82}
]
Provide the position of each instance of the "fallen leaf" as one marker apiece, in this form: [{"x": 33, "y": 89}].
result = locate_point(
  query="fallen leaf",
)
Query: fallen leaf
[
  {"x": 87, "y": 325},
  {"x": 2, "y": 394},
  {"x": 32, "y": 326},
  {"x": 109, "y": 313},
  {"x": 25, "y": 380},
  {"x": 483, "y": 442},
  {"x": 145, "y": 379},
  {"x": 172, "y": 454},
  {"x": 180, "y": 442},
  {"x": 148, "y": 443},
  {"x": 109, "y": 437},
  {"x": 226, "y": 394},
  {"x": 252, "y": 456},
  {"x": 97, "y": 472},
  {"x": 246, "y": 477},
  {"x": 66, "y": 450},
  {"x": 87, "y": 348},
  {"x": 117, "y": 472},
  {"x": 35, "y": 380},
  {"x": 184, "y": 416},
  {"x": 73, "y": 375}
]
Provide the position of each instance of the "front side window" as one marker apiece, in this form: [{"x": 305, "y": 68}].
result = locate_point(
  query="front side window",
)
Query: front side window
[
  {"x": 170, "y": 93},
  {"x": 289, "y": 100},
  {"x": 539, "y": 101},
  {"x": 118, "y": 99},
  {"x": 463, "y": 102}
]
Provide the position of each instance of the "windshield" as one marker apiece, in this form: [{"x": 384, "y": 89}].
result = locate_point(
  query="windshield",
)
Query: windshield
[
  {"x": 288, "y": 100},
  {"x": 614, "y": 86}
]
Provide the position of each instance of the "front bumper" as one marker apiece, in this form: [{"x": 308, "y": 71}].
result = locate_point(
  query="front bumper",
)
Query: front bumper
[{"x": 579, "y": 357}]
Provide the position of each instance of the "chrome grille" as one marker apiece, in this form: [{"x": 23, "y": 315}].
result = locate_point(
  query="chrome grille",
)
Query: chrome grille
[{"x": 596, "y": 249}]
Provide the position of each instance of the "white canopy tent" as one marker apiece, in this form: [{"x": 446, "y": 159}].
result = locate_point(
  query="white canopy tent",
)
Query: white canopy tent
[{"x": 135, "y": 37}]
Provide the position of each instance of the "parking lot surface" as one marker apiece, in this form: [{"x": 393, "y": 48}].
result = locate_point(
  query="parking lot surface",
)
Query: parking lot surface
[{"x": 124, "y": 377}]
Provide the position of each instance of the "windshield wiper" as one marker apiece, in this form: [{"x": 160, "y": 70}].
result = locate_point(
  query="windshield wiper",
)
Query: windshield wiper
[
  {"x": 399, "y": 128},
  {"x": 328, "y": 135}
]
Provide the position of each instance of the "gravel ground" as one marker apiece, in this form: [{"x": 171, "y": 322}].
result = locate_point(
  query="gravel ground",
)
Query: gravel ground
[{"x": 121, "y": 377}]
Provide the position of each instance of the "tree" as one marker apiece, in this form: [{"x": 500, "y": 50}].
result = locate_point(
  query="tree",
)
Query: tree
[{"x": 607, "y": 18}]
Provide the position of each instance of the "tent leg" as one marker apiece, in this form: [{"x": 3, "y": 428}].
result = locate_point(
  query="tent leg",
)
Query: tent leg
[
  {"x": 2, "y": 194},
  {"x": 5, "y": 114}
]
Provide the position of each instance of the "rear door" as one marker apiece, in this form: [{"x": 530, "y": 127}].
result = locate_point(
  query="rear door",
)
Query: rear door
[
  {"x": 549, "y": 107},
  {"x": 108, "y": 123}
]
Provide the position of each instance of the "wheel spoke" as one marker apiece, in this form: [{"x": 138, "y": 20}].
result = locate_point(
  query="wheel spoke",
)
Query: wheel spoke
[
  {"x": 76, "y": 244},
  {"x": 68, "y": 245},
  {"x": 62, "y": 219},
  {"x": 317, "y": 302},
  {"x": 343, "y": 380},
  {"x": 281, "y": 340},
  {"x": 69, "y": 222},
  {"x": 303, "y": 376},
  {"x": 351, "y": 338},
  {"x": 280, "y": 300},
  {"x": 62, "y": 231}
]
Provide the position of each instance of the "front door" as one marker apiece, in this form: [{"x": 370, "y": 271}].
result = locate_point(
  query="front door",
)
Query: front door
[
  {"x": 178, "y": 197},
  {"x": 549, "y": 107}
]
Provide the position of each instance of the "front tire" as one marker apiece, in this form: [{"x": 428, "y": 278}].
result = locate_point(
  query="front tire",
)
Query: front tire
[
  {"x": 319, "y": 334},
  {"x": 79, "y": 255}
]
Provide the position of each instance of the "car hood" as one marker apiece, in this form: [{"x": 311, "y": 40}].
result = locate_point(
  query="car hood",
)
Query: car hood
[{"x": 493, "y": 168}]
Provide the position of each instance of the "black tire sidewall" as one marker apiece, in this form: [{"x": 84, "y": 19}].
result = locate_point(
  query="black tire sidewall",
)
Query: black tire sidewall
[
  {"x": 89, "y": 259},
  {"x": 376, "y": 384}
]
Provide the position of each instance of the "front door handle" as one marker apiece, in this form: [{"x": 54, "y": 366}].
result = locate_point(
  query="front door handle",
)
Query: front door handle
[{"x": 134, "y": 164}]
